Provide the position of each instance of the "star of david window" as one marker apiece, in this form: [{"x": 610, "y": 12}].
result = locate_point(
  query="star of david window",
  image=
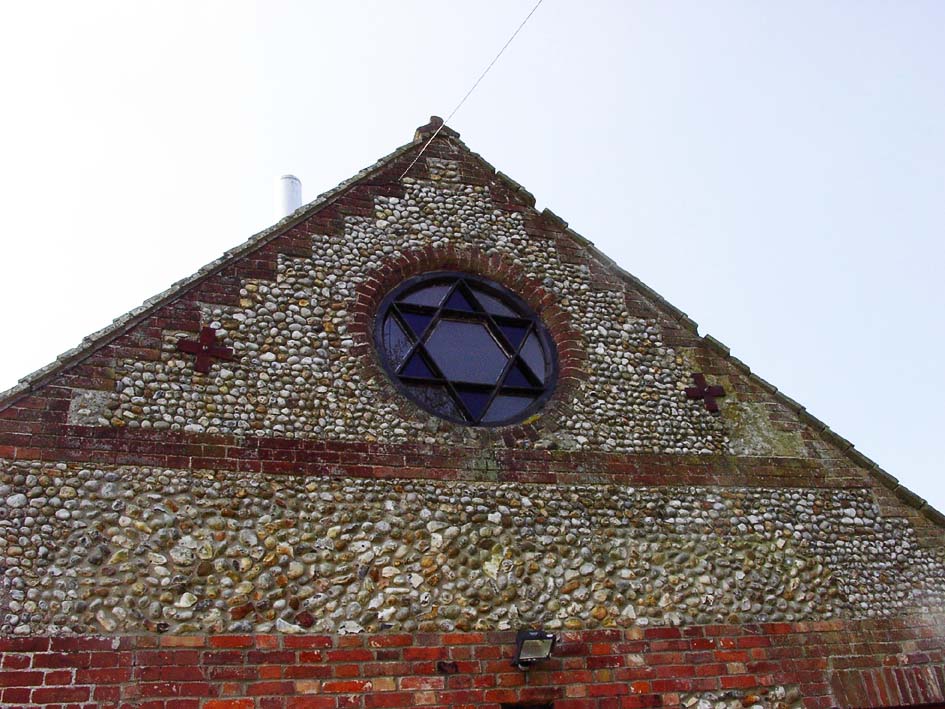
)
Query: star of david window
[{"x": 466, "y": 349}]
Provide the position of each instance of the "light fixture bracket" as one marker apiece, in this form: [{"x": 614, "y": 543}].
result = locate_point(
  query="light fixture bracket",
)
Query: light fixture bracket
[{"x": 532, "y": 646}]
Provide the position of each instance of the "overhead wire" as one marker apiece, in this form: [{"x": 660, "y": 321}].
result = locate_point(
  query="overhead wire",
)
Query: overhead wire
[{"x": 472, "y": 88}]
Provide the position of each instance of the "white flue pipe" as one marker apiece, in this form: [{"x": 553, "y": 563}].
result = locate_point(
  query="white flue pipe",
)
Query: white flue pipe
[{"x": 288, "y": 195}]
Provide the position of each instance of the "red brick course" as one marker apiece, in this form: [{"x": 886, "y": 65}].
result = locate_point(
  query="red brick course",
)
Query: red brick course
[
  {"x": 832, "y": 663},
  {"x": 185, "y": 451}
]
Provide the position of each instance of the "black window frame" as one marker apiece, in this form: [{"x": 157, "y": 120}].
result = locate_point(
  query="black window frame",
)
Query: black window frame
[{"x": 540, "y": 386}]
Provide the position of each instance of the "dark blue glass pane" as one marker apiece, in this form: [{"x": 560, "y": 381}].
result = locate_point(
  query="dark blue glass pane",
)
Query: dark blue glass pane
[
  {"x": 534, "y": 357},
  {"x": 429, "y": 295},
  {"x": 505, "y": 407},
  {"x": 436, "y": 398},
  {"x": 492, "y": 304},
  {"x": 516, "y": 378},
  {"x": 417, "y": 322},
  {"x": 466, "y": 352},
  {"x": 447, "y": 339},
  {"x": 416, "y": 367},
  {"x": 514, "y": 333},
  {"x": 475, "y": 402},
  {"x": 396, "y": 341},
  {"x": 458, "y": 301}
]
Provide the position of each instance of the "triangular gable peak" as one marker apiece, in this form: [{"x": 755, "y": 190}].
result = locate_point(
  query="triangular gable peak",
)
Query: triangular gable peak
[{"x": 291, "y": 366}]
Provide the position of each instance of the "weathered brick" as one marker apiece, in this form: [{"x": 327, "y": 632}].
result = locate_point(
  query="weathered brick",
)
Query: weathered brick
[
  {"x": 60, "y": 695},
  {"x": 20, "y": 679},
  {"x": 229, "y": 704}
]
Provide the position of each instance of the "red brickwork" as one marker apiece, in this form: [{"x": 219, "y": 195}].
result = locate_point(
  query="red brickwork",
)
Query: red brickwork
[
  {"x": 856, "y": 664},
  {"x": 184, "y": 451}
]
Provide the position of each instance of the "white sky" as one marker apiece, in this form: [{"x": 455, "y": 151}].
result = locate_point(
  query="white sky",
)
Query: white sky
[{"x": 776, "y": 170}]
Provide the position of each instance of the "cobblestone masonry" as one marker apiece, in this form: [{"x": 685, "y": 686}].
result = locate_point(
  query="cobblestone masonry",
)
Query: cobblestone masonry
[
  {"x": 131, "y": 549},
  {"x": 295, "y": 375}
]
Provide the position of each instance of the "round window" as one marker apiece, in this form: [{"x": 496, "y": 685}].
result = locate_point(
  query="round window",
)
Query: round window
[{"x": 466, "y": 349}]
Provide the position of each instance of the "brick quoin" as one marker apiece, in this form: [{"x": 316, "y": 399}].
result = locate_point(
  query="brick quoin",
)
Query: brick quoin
[{"x": 594, "y": 669}]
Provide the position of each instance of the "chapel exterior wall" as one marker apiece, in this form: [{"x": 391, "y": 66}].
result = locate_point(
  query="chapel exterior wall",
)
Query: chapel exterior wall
[{"x": 288, "y": 530}]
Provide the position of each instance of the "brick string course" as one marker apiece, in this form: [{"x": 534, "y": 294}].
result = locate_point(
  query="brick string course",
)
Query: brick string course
[
  {"x": 831, "y": 663},
  {"x": 362, "y": 460}
]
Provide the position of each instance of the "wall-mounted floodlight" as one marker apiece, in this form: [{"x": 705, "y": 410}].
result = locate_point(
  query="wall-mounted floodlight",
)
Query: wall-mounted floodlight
[{"x": 532, "y": 646}]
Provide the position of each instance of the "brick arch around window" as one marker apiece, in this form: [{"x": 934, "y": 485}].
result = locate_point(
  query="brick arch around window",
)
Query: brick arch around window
[{"x": 571, "y": 349}]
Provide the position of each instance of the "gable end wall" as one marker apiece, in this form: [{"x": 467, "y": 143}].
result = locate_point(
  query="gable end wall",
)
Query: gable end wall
[{"x": 287, "y": 530}]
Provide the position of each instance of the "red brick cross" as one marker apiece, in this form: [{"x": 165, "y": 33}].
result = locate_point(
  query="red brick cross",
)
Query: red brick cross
[
  {"x": 703, "y": 391},
  {"x": 205, "y": 348}
]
